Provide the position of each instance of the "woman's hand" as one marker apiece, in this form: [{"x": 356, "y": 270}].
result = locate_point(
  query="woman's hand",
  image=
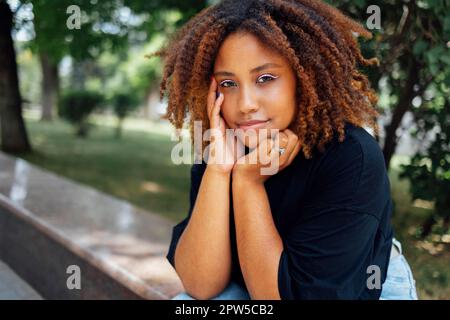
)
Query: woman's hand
[
  {"x": 265, "y": 160},
  {"x": 223, "y": 153}
]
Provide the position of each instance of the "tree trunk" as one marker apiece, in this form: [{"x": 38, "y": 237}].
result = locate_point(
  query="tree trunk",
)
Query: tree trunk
[
  {"x": 119, "y": 128},
  {"x": 78, "y": 76},
  {"x": 13, "y": 133},
  {"x": 82, "y": 129},
  {"x": 427, "y": 226},
  {"x": 404, "y": 104},
  {"x": 50, "y": 87}
]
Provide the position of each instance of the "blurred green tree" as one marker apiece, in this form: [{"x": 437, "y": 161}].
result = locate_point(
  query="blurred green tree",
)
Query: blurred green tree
[
  {"x": 429, "y": 169},
  {"x": 76, "y": 106},
  {"x": 101, "y": 28},
  {"x": 105, "y": 25},
  {"x": 123, "y": 103},
  {"x": 413, "y": 48}
]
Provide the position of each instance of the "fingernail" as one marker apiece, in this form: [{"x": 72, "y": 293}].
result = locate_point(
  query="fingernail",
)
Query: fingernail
[{"x": 217, "y": 94}]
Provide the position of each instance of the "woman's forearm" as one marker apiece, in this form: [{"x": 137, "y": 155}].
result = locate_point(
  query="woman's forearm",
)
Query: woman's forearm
[
  {"x": 258, "y": 241},
  {"x": 203, "y": 253}
]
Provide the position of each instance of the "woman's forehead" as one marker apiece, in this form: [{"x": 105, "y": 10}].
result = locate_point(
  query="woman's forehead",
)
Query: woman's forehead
[{"x": 247, "y": 51}]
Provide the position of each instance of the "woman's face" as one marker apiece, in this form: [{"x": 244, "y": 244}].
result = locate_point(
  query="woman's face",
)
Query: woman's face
[{"x": 258, "y": 84}]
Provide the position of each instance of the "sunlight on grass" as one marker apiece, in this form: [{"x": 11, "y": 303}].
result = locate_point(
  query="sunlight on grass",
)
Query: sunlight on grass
[{"x": 134, "y": 168}]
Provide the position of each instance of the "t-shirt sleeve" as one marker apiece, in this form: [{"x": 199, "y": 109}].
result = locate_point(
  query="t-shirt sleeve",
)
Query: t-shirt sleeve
[
  {"x": 197, "y": 171},
  {"x": 328, "y": 250}
]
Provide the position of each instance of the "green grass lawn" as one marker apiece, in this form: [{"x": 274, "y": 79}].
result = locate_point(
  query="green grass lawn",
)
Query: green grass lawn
[{"x": 138, "y": 168}]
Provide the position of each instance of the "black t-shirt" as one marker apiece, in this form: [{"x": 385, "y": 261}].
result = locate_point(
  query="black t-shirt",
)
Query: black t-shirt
[{"x": 333, "y": 215}]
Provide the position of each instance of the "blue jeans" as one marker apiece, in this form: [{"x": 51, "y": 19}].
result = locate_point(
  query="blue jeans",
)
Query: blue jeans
[
  {"x": 232, "y": 292},
  {"x": 399, "y": 284}
]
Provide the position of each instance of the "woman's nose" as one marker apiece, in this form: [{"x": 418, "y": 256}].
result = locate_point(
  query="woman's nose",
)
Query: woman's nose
[{"x": 248, "y": 103}]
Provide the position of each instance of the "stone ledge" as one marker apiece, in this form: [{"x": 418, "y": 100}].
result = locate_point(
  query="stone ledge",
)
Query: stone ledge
[
  {"x": 48, "y": 223},
  {"x": 12, "y": 287}
]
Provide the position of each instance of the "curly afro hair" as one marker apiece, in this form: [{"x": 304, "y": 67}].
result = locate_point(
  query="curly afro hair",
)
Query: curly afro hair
[{"x": 319, "y": 42}]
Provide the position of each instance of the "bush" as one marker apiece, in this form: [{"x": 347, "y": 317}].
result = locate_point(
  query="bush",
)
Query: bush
[
  {"x": 123, "y": 103},
  {"x": 76, "y": 106},
  {"x": 429, "y": 170}
]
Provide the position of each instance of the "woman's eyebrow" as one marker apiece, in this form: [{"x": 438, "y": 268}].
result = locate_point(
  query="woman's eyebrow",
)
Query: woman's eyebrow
[{"x": 257, "y": 69}]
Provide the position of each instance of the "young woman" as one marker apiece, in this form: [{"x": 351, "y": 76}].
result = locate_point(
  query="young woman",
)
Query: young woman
[{"x": 319, "y": 227}]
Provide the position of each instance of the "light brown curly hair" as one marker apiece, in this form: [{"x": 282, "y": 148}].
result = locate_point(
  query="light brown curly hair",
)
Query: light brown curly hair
[{"x": 319, "y": 43}]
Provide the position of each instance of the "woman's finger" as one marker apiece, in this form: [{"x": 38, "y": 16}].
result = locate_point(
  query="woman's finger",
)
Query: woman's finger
[
  {"x": 211, "y": 97},
  {"x": 294, "y": 153},
  {"x": 281, "y": 141},
  {"x": 294, "y": 146},
  {"x": 287, "y": 141},
  {"x": 215, "y": 115},
  {"x": 293, "y": 139}
]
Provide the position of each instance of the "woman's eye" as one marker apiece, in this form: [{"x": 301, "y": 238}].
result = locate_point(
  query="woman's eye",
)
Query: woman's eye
[
  {"x": 270, "y": 78},
  {"x": 229, "y": 83},
  {"x": 222, "y": 84}
]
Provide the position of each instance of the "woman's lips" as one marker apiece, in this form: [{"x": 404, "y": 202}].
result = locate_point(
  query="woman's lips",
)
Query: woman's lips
[{"x": 254, "y": 124}]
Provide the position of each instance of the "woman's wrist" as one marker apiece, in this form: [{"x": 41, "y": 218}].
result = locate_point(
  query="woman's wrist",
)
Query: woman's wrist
[
  {"x": 240, "y": 176},
  {"x": 217, "y": 171}
]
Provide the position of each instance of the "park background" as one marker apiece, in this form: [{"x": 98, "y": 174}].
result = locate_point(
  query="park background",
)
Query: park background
[{"x": 85, "y": 104}]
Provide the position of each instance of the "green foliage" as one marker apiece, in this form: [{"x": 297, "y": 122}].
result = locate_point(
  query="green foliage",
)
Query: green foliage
[
  {"x": 131, "y": 72},
  {"x": 429, "y": 170},
  {"x": 102, "y": 28},
  {"x": 105, "y": 25},
  {"x": 29, "y": 71},
  {"x": 123, "y": 103},
  {"x": 412, "y": 46},
  {"x": 76, "y": 106}
]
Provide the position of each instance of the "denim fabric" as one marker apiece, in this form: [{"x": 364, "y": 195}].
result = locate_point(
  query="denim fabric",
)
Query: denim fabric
[
  {"x": 400, "y": 283},
  {"x": 232, "y": 292}
]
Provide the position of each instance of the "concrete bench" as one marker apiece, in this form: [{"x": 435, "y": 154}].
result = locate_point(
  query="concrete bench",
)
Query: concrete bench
[
  {"x": 12, "y": 287},
  {"x": 48, "y": 223}
]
